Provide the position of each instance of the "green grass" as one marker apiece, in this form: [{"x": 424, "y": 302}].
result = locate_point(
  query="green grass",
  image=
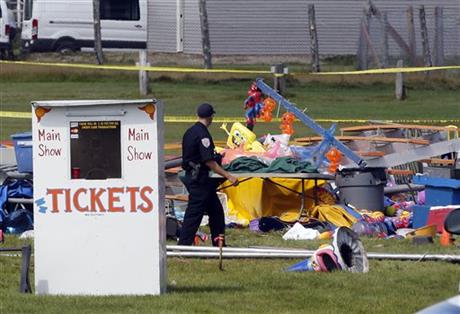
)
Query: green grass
[
  {"x": 257, "y": 286},
  {"x": 322, "y": 100},
  {"x": 262, "y": 286}
]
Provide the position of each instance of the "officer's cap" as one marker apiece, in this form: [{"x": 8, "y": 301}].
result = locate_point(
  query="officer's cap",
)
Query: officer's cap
[{"x": 205, "y": 110}]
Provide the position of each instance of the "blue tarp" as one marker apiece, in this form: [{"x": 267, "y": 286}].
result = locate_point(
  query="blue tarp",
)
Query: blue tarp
[
  {"x": 437, "y": 182},
  {"x": 12, "y": 218}
]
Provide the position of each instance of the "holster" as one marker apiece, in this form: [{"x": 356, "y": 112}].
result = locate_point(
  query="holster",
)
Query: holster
[{"x": 194, "y": 170}]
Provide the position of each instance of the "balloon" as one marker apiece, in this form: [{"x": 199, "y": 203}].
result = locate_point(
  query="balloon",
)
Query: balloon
[
  {"x": 286, "y": 123},
  {"x": 334, "y": 156},
  {"x": 269, "y": 103}
]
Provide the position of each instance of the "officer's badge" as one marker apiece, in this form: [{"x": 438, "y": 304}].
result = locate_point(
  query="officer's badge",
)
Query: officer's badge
[{"x": 206, "y": 142}]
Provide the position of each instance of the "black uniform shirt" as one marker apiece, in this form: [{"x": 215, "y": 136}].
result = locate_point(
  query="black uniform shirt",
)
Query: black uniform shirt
[{"x": 197, "y": 146}]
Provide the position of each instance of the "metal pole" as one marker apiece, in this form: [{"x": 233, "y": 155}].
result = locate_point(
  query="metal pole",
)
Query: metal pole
[
  {"x": 326, "y": 134},
  {"x": 212, "y": 252},
  {"x": 186, "y": 248},
  {"x": 302, "y": 198},
  {"x": 231, "y": 255}
]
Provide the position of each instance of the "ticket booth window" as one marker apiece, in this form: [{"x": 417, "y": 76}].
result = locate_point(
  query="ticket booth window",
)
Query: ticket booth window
[{"x": 95, "y": 150}]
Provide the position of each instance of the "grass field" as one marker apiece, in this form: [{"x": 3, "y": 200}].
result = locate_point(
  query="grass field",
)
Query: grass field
[
  {"x": 258, "y": 286},
  {"x": 262, "y": 286},
  {"x": 368, "y": 98}
]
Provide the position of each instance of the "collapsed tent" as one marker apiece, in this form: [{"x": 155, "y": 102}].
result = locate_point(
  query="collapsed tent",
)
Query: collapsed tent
[{"x": 257, "y": 198}]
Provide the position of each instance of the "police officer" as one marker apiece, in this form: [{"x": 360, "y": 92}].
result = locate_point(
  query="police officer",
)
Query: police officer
[{"x": 198, "y": 158}]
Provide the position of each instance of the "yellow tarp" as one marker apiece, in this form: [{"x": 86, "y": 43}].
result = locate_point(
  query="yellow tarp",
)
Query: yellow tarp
[
  {"x": 257, "y": 198},
  {"x": 334, "y": 214}
]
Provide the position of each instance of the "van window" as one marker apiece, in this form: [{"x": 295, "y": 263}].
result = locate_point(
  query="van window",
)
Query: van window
[
  {"x": 28, "y": 9},
  {"x": 120, "y": 10}
]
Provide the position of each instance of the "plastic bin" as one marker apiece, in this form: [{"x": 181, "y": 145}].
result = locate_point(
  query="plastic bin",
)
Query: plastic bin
[
  {"x": 23, "y": 150},
  {"x": 362, "y": 188},
  {"x": 425, "y": 215},
  {"x": 439, "y": 191}
]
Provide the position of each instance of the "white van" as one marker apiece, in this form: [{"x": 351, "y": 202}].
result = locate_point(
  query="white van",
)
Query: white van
[
  {"x": 63, "y": 25},
  {"x": 7, "y": 26}
]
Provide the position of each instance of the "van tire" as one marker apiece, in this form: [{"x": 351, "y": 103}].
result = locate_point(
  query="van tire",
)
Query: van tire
[{"x": 66, "y": 46}]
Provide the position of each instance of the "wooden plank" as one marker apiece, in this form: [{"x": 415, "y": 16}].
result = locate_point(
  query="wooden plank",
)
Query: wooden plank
[
  {"x": 205, "y": 41},
  {"x": 370, "y": 154},
  {"x": 401, "y": 172},
  {"x": 438, "y": 37},
  {"x": 172, "y": 146},
  {"x": 367, "y": 38},
  {"x": 439, "y": 161},
  {"x": 177, "y": 197},
  {"x": 279, "y": 79},
  {"x": 396, "y": 126},
  {"x": 168, "y": 157},
  {"x": 367, "y": 139},
  {"x": 390, "y": 29},
  {"x": 400, "y": 89},
  {"x": 313, "y": 39},
  {"x": 398, "y": 39},
  {"x": 7, "y": 143},
  {"x": 411, "y": 33},
  {"x": 174, "y": 170},
  {"x": 425, "y": 40},
  {"x": 384, "y": 40},
  {"x": 363, "y": 48},
  {"x": 144, "y": 88},
  {"x": 97, "y": 32}
]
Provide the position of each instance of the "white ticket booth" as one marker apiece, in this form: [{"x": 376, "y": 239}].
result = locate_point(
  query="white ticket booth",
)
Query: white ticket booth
[{"x": 99, "y": 197}]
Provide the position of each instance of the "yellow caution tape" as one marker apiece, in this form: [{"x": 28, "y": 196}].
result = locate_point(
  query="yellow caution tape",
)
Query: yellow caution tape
[
  {"x": 195, "y": 70},
  {"x": 19, "y": 115},
  {"x": 135, "y": 68},
  {"x": 392, "y": 70},
  {"x": 186, "y": 119}
]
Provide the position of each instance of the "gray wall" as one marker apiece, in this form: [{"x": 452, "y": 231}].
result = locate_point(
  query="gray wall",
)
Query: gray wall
[
  {"x": 271, "y": 27},
  {"x": 161, "y": 25}
]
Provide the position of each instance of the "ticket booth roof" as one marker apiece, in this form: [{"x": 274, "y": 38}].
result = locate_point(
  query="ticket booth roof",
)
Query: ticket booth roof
[{"x": 96, "y": 102}]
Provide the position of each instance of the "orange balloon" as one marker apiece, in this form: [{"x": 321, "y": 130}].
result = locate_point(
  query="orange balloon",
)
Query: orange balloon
[
  {"x": 268, "y": 116},
  {"x": 287, "y": 129},
  {"x": 288, "y": 117},
  {"x": 332, "y": 168},
  {"x": 334, "y": 155},
  {"x": 269, "y": 103}
]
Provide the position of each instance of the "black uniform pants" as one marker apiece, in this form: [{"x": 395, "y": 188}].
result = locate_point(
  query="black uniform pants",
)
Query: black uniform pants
[{"x": 202, "y": 199}]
